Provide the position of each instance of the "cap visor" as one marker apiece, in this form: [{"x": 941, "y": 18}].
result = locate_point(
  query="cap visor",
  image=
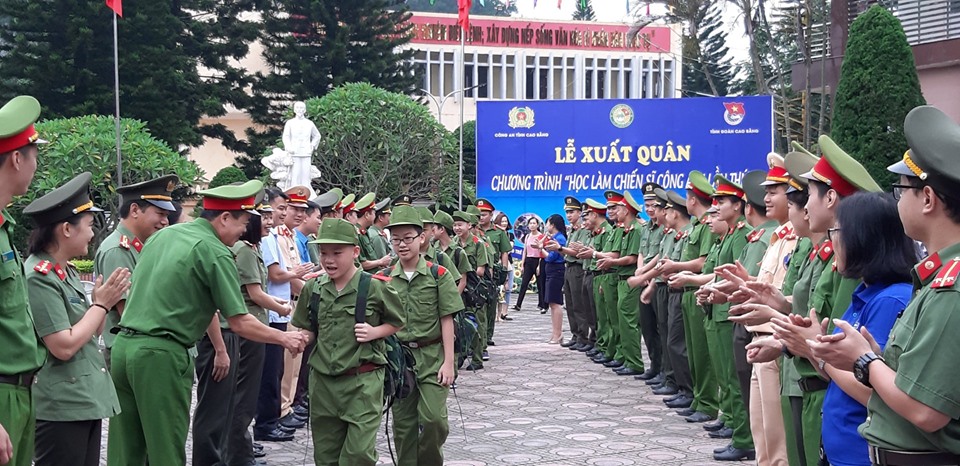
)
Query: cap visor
[
  {"x": 94, "y": 209},
  {"x": 41, "y": 141},
  {"x": 809, "y": 175},
  {"x": 253, "y": 212},
  {"x": 165, "y": 205},
  {"x": 331, "y": 241},
  {"x": 900, "y": 168},
  {"x": 771, "y": 183},
  {"x": 791, "y": 189}
]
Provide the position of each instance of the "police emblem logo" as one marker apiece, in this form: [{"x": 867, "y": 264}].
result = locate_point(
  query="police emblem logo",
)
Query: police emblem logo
[
  {"x": 171, "y": 185},
  {"x": 621, "y": 115},
  {"x": 521, "y": 117},
  {"x": 733, "y": 113}
]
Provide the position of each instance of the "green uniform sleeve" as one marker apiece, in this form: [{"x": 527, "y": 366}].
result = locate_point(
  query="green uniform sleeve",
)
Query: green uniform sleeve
[
  {"x": 112, "y": 259},
  {"x": 447, "y": 262},
  {"x": 387, "y": 302},
  {"x": 301, "y": 315},
  {"x": 706, "y": 239},
  {"x": 50, "y": 313},
  {"x": 449, "y": 297},
  {"x": 223, "y": 281},
  {"x": 481, "y": 255},
  {"x": 248, "y": 266},
  {"x": 630, "y": 246}
]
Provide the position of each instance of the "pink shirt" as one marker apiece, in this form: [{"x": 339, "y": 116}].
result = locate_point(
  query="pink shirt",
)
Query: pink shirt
[{"x": 528, "y": 245}]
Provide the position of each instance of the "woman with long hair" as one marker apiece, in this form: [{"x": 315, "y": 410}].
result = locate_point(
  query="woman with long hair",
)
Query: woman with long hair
[
  {"x": 553, "y": 271},
  {"x": 73, "y": 391},
  {"x": 531, "y": 263},
  {"x": 503, "y": 222}
]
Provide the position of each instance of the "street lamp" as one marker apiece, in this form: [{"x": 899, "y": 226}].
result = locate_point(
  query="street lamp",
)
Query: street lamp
[{"x": 439, "y": 105}]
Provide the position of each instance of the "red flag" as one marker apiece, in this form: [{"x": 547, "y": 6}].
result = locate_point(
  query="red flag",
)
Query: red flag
[
  {"x": 116, "y": 6},
  {"x": 463, "y": 8}
]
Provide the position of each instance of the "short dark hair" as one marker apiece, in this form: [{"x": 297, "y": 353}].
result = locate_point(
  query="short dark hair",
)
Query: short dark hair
[
  {"x": 311, "y": 208},
  {"x": 42, "y": 236},
  {"x": 706, "y": 202},
  {"x": 4, "y": 156},
  {"x": 125, "y": 207},
  {"x": 798, "y": 197},
  {"x": 252, "y": 235},
  {"x": 873, "y": 244},
  {"x": 173, "y": 217},
  {"x": 760, "y": 209},
  {"x": 208, "y": 214},
  {"x": 951, "y": 204},
  {"x": 557, "y": 221},
  {"x": 273, "y": 193}
]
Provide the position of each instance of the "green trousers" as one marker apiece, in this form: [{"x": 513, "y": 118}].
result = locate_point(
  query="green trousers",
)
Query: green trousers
[
  {"x": 491, "y": 316},
  {"x": 795, "y": 456},
  {"x": 18, "y": 418},
  {"x": 153, "y": 377},
  {"x": 706, "y": 393},
  {"x": 732, "y": 401},
  {"x": 812, "y": 425},
  {"x": 480, "y": 344},
  {"x": 420, "y": 425},
  {"x": 601, "y": 318},
  {"x": 345, "y": 415},
  {"x": 609, "y": 298},
  {"x": 628, "y": 308},
  {"x": 716, "y": 355}
]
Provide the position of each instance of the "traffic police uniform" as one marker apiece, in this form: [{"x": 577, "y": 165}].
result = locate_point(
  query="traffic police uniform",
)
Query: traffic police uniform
[
  {"x": 121, "y": 249},
  {"x": 346, "y": 377},
  {"x": 16, "y": 327},
  {"x": 71, "y": 396},
  {"x": 191, "y": 275},
  {"x": 420, "y": 424},
  {"x": 922, "y": 347}
]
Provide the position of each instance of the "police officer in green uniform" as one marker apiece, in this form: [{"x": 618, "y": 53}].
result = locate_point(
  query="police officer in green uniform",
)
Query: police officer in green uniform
[
  {"x": 346, "y": 367},
  {"x": 189, "y": 274},
  {"x": 143, "y": 211},
  {"x": 73, "y": 391},
  {"x": 628, "y": 298},
  {"x": 478, "y": 258},
  {"x": 608, "y": 315},
  {"x": 603, "y": 351},
  {"x": 573, "y": 276},
  {"x": 429, "y": 302},
  {"x": 912, "y": 415},
  {"x": 377, "y": 231},
  {"x": 18, "y": 162},
  {"x": 595, "y": 215},
  {"x": 649, "y": 249},
  {"x": 500, "y": 243}
]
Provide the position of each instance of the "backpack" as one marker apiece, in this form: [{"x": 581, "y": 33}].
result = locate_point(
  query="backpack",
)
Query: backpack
[{"x": 399, "y": 379}]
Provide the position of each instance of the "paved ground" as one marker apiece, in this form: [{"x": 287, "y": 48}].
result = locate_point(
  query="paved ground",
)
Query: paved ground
[{"x": 540, "y": 404}]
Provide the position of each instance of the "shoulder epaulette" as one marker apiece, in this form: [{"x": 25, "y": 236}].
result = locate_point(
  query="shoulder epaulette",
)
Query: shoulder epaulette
[
  {"x": 44, "y": 267},
  {"x": 740, "y": 225},
  {"x": 678, "y": 235},
  {"x": 785, "y": 232},
  {"x": 380, "y": 277},
  {"x": 755, "y": 235},
  {"x": 475, "y": 239},
  {"x": 124, "y": 242},
  {"x": 948, "y": 275}
]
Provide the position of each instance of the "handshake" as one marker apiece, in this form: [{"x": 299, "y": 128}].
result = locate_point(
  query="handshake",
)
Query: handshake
[{"x": 294, "y": 342}]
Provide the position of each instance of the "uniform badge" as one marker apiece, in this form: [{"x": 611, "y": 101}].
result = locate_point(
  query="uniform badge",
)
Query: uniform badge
[
  {"x": 44, "y": 267},
  {"x": 948, "y": 275},
  {"x": 7, "y": 256},
  {"x": 826, "y": 251},
  {"x": 60, "y": 272},
  {"x": 137, "y": 244},
  {"x": 755, "y": 235},
  {"x": 124, "y": 242},
  {"x": 171, "y": 186},
  {"x": 929, "y": 266}
]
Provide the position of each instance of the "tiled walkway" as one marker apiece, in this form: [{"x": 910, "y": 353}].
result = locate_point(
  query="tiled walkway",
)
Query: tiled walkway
[{"x": 540, "y": 404}]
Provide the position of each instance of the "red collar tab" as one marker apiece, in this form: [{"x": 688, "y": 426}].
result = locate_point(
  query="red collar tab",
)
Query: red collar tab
[
  {"x": 784, "y": 231},
  {"x": 948, "y": 274},
  {"x": 826, "y": 251},
  {"x": 755, "y": 235},
  {"x": 137, "y": 244},
  {"x": 928, "y": 267}
]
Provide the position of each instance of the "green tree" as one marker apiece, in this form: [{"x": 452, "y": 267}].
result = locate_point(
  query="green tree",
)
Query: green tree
[
  {"x": 313, "y": 46},
  {"x": 227, "y": 175},
  {"x": 87, "y": 144},
  {"x": 584, "y": 11},
  {"x": 177, "y": 61},
  {"x": 878, "y": 86},
  {"x": 707, "y": 69},
  {"x": 469, "y": 150},
  {"x": 488, "y": 8},
  {"x": 376, "y": 140}
]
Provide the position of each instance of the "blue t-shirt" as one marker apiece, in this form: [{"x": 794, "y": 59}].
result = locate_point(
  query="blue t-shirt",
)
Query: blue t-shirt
[
  {"x": 877, "y": 308},
  {"x": 555, "y": 256},
  {"x": 270, "y": 251},
  {"x": 302, "y": 241}
]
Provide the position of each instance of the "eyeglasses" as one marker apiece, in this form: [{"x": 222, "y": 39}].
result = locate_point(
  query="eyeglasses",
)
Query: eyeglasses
[
  {"x": 899, "y": 188},
  {"x": 404, "y": 240},
  {"x": 833, "y": 234}
]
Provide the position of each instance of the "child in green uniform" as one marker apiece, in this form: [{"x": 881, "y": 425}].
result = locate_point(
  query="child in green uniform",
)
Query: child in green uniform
[
  {"x": 73, "y": 392},
  {"x": 476, "y": 254},
  {"x": 430, "y": 299},
  {"x": 346, "y": 366}
]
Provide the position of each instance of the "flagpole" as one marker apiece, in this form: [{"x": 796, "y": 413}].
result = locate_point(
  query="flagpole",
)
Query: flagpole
[
  {"x": 463, "y": 98},
  {"x": 116, "y": 92}
]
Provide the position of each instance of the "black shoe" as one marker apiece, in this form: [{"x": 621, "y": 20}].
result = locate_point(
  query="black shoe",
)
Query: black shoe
[
  {"x": 516, "y": 307},
  {"x": 723, "y": 448},
  {"x": 290, "y": 421},
  {"x": 576, "y": 347},
  {"x": 627, "y": 371},
  {"x": 613, "y": 363},
  {"x": 698, "y": 417},
  {"x": 647, "y": 375},
  {"x": 485, "y": 356},
  {"x": 506, "y": 317},
  {"x": 301, "y": 411},
  {"x": 276, "y": 436},
  {"x": 474, "y": 366},
  {"x": 682, "y": 402},
  {"x": 602, "y": 359},
  {"x": 569, "y": 343},
  {"x": 713, "y": 426},
  {"x": 586, "y": 348},
  {"x": 259, "y": 454},
  {"x": 725, "y": 432},
  {"x": 543, "y": 311},
  {"x": 686, "y": 412},
  {"x": 736, "y": 454},
  {"x": 656, "y": 380},
  {"x": 667, "y": 390},
  {"x": 592, "y": 352},
  {"x": 491, "y": 343}
]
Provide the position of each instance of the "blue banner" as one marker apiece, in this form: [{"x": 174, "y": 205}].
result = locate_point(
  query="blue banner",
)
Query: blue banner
[{"x": 531, "y": 154}]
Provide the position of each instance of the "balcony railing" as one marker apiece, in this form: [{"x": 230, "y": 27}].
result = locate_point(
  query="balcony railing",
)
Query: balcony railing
[{"x": 924, "y": 21}]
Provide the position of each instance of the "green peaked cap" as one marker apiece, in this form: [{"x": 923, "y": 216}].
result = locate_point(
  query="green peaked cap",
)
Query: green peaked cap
[
  {"x": 661, "y": 195},
  {"x": 233, "y": 192},
  {"x": 753, "y": 188},
  {"x": 404, "y": 215},
  {"x": 425, "y": 215},
  {"x": 637, "y": 207},
  {"x": 328, "y": 199},
  {"x": 156, "y": 191},
  {"x": 797, "y": 163},
  {"x": 347, "y": 200},
  {"x": 365, "y": 202},
  {"x": 698, "y": 183},
  {"x": 677, "y": 202},
  {"x": 64, "y": 202},
  {"x": 934, "y": 140},
  {"x": 846, "y": 167},
  {"x": 17, "y": 115},
  {"x": 337, "y": 231},
  {"x": 595, "y": 205},
  {"x": 443, "y": 219}
]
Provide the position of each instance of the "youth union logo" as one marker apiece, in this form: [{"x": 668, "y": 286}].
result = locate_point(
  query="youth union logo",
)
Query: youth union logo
[
  {"x": 521, "y": 117},
  {"x": 621, "y": 115},
  {"x": 734, "y": 113}
]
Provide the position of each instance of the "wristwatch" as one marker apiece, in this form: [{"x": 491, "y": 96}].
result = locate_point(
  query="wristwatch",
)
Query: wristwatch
[{"x": 861, "y": 369}]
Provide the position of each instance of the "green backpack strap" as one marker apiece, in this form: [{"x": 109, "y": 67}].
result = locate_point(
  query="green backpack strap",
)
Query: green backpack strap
[
  {"x": 313, "y": 309},
  {"x": 360, "y": 311}
]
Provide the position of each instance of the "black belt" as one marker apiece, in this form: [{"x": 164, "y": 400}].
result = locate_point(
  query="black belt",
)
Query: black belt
[
  {"x": 601, "y": 272},
  {"x": 812, "y": 384},
  {"x": 573, "y": 264},
  {"x": 690, "y": 288},
  {"x": 883, "y": 457},
  {"x": 421, "y": 343},
  {"x": 136, "y": 333},
  {"x": 361, "y": 369},
  {"x": 675, "y": 290},
  {"x": 24, "y": 379}
]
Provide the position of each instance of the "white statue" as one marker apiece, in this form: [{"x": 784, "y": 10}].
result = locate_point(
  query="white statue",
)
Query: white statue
[{"x": 291, "y": 166}]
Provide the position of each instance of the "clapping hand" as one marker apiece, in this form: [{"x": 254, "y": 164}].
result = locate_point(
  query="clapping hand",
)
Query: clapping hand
[
  {"x": 109, "y": 293},
  {"x": 842, "y": 349},
  {"x": 764, "y": 350}
]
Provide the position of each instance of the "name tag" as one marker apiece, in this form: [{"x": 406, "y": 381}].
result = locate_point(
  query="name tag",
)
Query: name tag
[
  {"x": 75, "y": 300},
  {"x": 7, "y": 256}
]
